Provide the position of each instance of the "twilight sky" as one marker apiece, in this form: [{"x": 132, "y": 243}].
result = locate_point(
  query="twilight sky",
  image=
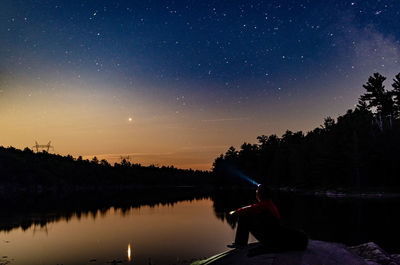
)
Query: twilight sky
[{"x": 178, "y": 82}]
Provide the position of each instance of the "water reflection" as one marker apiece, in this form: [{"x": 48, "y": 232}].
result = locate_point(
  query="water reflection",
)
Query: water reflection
[
  {"x": 42, "y": 210},
  {"x": 349, "y": 221},
  {"x": 129, "y": 252},
  {"x": 177, "y": 228},
  {"x": 164, "y": 234}
]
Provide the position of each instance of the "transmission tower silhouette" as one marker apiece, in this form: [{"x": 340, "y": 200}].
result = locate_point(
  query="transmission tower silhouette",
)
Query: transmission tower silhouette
[
  {"x": 126, "y": 158},
  {"x": 43, "y": 146}
]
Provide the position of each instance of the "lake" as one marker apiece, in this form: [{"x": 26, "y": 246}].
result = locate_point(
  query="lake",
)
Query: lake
[
  {"x": 162, "y": 234},
  {"x": 179, "y": 232}
]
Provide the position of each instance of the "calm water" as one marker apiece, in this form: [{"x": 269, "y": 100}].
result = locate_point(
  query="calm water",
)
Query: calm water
[
  {"x": 177, "y": 233},
  {"x": 350, "y": 221},
  {"x": 146, "y": 235}
]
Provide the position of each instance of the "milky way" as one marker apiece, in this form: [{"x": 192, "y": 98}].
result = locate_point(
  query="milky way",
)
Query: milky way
[{"x": 177, "y": 82}]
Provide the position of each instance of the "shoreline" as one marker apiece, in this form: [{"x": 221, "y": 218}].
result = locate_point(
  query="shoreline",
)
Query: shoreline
[{"x": 341, "y": 193}]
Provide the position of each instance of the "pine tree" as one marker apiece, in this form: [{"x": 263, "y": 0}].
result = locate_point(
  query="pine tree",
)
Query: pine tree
[
  {"x": 379, "y": 98},
  {"x": 362, "y": 105},
  {"x": 396, "y": 94},
  {"x": 374, "y": 97}
]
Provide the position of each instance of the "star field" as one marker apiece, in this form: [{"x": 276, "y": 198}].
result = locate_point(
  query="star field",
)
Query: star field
[{"x": 250, "y": 67}]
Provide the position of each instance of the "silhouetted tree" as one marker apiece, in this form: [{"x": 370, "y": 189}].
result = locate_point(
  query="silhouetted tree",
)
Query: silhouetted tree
[
  {"x": 396, "y": 94},
  {"x": 95, "y": 160},
  {"x": 379, "y": 98},
  {"x": 22, "y": 171},
  {"x": 126, "y": 163},
  {"x": 27, "y": 150},
  {"x": 349, "y": 152},
  {"x": 374, "y": 97},
  {"x": 328, "y": 123},
  {"x": 263, "y": 140},
  {"x": 231, "y": 153},
  {"x": 362, "y": 105},
  {"x": 105, "y": 163}
]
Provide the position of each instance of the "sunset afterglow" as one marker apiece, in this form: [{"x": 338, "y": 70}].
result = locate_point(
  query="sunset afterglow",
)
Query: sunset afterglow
[{"x": 177, "y": 82}]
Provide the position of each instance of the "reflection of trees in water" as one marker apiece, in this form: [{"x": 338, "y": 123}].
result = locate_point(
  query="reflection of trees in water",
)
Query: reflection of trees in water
[
  {"x": 227, "y": 200},
  {"x": 41, "y": 210},
  {"x": 349, "y": 221}
]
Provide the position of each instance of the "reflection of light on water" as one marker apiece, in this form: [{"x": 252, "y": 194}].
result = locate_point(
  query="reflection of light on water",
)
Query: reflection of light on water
[{"x": 129, "y": 252}]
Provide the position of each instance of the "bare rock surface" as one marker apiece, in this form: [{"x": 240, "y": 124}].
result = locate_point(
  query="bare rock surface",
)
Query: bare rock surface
[
  {"x": 317, "y": 253},
  {"x": 396, "y": 258},
  {"x": 373, "y": 254}
]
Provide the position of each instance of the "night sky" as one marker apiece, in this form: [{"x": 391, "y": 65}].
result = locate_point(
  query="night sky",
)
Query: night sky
[{"x": 178, "y": 82}]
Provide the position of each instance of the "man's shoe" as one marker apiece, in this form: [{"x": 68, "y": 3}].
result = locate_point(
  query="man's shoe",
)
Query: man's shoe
[{"x": 236, "y": 245}]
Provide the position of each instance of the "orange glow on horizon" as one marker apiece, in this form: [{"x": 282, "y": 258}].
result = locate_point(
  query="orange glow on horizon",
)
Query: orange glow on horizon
[{"x": 94, "y": 120}]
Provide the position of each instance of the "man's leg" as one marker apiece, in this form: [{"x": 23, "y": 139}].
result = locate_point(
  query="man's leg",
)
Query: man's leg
[{"x": 242, "y": 231}]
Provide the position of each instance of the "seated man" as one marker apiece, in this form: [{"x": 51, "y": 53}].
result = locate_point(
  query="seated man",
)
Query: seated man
[{"x": 262, "y": 220}]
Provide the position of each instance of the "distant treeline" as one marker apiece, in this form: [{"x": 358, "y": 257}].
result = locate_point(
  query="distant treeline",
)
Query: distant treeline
[
  {"x": 24, "y": 170},
  {"x": 360, "y": 149}
]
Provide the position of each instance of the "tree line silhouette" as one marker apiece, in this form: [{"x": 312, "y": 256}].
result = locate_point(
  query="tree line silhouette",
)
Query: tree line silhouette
[
  {"x": 29, "y": 172},
  {"x": 358, "y": 150},
  {"x": 35, "y": 184}
]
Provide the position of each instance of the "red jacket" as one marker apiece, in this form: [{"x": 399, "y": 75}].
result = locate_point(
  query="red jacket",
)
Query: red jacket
[{"x": 259, "y": 207}]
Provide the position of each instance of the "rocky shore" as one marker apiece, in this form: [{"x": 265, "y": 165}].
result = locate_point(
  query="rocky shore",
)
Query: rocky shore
[
  {"x": 318, "y": 252},
  {"x": 374, "y": 255}
]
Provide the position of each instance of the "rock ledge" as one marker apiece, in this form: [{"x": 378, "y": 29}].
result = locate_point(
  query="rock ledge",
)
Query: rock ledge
[{"x": 317, "y": 252}]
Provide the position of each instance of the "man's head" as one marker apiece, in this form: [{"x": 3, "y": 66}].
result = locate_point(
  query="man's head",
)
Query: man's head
[{"x": 263, "y": 193}]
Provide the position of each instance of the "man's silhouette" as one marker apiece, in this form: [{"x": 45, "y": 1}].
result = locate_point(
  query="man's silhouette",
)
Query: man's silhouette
[{"x": 262, "y": 219}]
